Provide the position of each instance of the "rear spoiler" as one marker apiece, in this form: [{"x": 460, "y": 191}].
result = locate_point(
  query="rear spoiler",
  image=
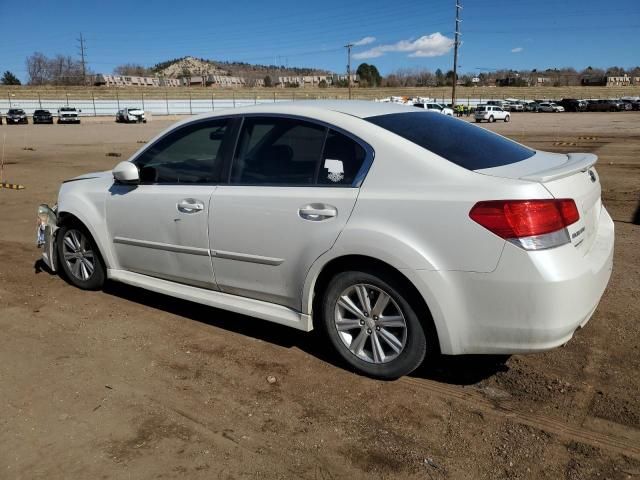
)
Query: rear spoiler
[{"x": 576, "y": 162}]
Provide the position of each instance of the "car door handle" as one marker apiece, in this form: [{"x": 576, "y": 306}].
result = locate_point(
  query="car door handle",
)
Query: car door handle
[
  {"x": 190, "y": 205},
  {"x": 316, "y": 212}
]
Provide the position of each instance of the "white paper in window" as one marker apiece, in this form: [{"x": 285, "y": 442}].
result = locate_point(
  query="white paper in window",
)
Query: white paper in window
[{"x": 335, "y": 169}]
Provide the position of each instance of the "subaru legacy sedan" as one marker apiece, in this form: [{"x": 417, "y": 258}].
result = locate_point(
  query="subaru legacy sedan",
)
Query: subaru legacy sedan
[{"x": 399, "y": 233}]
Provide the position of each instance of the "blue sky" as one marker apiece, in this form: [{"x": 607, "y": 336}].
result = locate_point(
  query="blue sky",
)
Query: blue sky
[{"x": 518, "y": 34}]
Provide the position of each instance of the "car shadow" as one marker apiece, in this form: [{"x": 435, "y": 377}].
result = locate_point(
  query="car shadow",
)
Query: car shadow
[
  {"x": 461, "y": 369},
  {"x": 458, "y": 370},
  {"x": 39, "y": 266}
]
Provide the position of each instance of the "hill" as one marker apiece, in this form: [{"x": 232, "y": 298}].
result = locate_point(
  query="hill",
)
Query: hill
[{"x": 191, "y": 66}]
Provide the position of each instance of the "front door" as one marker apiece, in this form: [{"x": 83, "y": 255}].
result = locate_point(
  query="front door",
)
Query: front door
[
  {"x": 291, "y": 191},
  {"x": 160, "y": 227}
]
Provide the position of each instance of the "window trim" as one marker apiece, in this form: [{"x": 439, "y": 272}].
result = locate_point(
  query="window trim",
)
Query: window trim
[
  {"x": 358, "y": 178},
  {"x": 231, "y": 133}
]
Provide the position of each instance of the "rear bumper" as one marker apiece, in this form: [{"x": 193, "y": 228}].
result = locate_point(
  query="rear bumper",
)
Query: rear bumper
[{"x": 533, "y": 301}]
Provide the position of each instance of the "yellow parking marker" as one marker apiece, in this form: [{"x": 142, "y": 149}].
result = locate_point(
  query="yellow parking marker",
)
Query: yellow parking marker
[
  {"x": 12, "y": 186},
  {"x": 566, "y": 144}
]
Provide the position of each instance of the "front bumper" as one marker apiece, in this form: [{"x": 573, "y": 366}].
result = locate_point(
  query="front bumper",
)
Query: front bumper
[
  {"x": 533, "y": 301},
  {"x": 46, "y": 233},
  {"x": 69, "y": 119}
]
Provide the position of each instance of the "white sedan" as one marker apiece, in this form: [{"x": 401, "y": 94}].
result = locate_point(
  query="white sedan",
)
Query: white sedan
[{"x": 397, "y": 232}]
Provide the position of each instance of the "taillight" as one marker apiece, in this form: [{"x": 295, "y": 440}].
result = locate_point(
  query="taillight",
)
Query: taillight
[{"x": 530, "y": 224}]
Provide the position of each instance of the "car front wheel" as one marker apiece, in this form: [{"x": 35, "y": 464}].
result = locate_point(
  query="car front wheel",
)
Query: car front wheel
[
  {"x": 491, "y": 119},
  {"x": 79, "y": 257},
  {"x": 372, "y": 326},
  {"x": 507, "y": 118}
]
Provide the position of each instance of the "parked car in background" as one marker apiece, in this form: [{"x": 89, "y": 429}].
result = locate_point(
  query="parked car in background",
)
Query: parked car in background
[
  {"x": 68, "y": 115},
  {"x": 517, "y": 106},
  {"x": 624, "y": 105},
  {"x": 598, "y": 106},
  {"x": 573, "y": 105},
  {"x": 379, "y": 253},
  {"x": 530, "y": 105},
  {"x": 617, "y": 105},
  {"x": 129, "y": 115},
  {"x": 504, "y": 105},
  {"x": 42, "y": 116},
  {"x": 436, "y": 107},
  {"x": 635, "y": 104},
  {"x": 550, "y": 107},
  {"x": 16, "y": 116},
  {"x": 490, "y": 113}
]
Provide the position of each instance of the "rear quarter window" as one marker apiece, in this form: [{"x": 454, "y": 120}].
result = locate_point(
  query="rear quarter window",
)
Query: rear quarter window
[{"x": 466, "y": 145}]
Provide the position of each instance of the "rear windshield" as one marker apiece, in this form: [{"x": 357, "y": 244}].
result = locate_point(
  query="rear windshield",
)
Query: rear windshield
[{"x": 466, "y": 145}]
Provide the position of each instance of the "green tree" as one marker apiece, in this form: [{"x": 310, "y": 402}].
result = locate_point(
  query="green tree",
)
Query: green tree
[
  {"x": 267, "y": 81},
  {"x": 10, "y": 79},
  {"x": 322, "y": 83},
  {"x": 369, "y": 75},
  {"x": 439, "y": 78}
]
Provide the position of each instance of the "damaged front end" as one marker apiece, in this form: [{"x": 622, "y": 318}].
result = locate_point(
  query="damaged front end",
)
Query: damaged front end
[{"x": 46, "y": 233}]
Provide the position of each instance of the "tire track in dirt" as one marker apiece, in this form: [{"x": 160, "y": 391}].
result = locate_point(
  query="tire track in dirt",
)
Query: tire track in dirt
[{"x": 542, "y": 422}]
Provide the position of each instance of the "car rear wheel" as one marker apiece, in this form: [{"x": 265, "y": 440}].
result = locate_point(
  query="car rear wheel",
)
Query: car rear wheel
[
  {"x": 79, "y": 257},
  {"x": 372, "y": 326}
]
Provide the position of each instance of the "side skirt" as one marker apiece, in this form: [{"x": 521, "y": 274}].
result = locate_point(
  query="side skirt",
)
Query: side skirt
[{"x": 245, "y": 306}]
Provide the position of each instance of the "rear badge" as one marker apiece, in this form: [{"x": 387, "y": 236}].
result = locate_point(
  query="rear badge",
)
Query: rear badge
[{"x": 592, "y": 176}]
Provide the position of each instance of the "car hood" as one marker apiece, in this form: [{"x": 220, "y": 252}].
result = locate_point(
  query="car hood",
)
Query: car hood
[{"x": 90, "y": 176}]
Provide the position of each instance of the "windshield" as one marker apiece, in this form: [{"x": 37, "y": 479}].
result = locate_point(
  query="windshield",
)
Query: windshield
[
  {"x": 67, "y": 109},
  {"x": 40, "y": 112},
  {"x": 466, "y": 145},
  {"x": 15, "y": 111}
]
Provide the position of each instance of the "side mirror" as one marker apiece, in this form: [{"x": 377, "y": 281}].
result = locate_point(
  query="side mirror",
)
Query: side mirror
[{"x": 126, "y": 172}]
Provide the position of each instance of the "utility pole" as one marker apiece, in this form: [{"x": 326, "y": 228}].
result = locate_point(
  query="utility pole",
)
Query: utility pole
[
  {"x": 455, "y": 55},
  {"x": 348, "y": 47},
  {"x": 83, "y": 60}
]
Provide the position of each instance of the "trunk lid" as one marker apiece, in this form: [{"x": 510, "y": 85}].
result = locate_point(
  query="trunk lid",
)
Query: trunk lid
[{"x": 565, "y": 176}]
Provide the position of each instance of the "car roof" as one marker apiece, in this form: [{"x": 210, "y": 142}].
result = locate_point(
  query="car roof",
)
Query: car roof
[{"x": 355, "y": 108}]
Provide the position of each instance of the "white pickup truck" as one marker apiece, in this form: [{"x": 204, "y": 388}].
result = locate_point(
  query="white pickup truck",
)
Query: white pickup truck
[{"x": 68, "y": 115}]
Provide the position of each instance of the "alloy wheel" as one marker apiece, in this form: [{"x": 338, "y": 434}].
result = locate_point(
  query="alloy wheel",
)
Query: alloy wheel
[
  {"x": 370, "y": 323},
  {"x": 78, "y": 255}
]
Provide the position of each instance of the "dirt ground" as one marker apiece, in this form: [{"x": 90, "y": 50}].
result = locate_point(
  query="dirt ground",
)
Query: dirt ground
[{"x": 124, "y": 383}]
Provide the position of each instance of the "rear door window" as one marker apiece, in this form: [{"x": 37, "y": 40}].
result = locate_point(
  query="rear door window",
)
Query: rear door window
[
  {"x": 277, "y": 151},
  {"x": 342, "y": 159},
  {"x": 466, "y": 145}
]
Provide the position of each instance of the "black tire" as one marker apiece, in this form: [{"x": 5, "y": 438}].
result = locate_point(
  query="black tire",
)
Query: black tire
[
  {"x": 478, "y": 121},
  {"x": 415, "y": 341},
  {"x": 507, "y": 118},
  {"x": 96, "y": 279},
  {"x": 491, "y": 119}
]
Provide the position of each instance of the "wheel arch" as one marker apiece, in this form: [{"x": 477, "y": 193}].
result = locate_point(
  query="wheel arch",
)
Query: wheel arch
[
  {"x": 427, "y": 311},
  {"x": 66, "y": 217}
]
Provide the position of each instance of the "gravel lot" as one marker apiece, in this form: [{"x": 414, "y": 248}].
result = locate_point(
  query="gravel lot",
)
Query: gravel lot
[{"x": 125, "y": 383}]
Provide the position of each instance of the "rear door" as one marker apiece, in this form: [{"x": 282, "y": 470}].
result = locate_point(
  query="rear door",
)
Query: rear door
[{"x": 292, "y": 187}]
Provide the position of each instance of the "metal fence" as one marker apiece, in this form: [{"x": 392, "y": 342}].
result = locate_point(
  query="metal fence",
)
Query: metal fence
[{"x": 182, "y": 102}]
